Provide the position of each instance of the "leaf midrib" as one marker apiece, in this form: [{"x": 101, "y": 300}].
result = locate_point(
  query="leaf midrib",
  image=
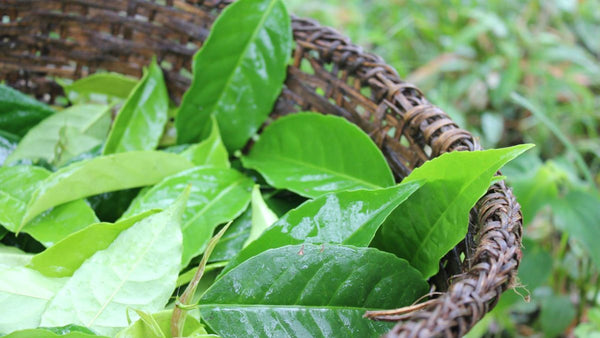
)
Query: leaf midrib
[
  {"x": 258, "y": 28},
  {"x": 443, "y": 214},
  {"x": 286, "y": 306}
]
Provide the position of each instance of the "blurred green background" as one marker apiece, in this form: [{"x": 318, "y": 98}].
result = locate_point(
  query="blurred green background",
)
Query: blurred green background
[{"x": 510, "y": 72}]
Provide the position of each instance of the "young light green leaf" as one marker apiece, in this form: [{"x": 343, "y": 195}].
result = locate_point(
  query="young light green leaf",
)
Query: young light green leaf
[
  {"x": 66, "y": 256},
  {"x": 11, "y": 257},
  {"x": 107, "y": 85},
  {"x": 310, "y": 290},
  {"x": 18, "y": 185},
  {"x": 65, "y": 134},
  {"x": 140, "y": 329},
  {"x": 68, "y": 331},
  {"x": 577, "y": 214},
  {"x": 19, "y": 112},
  {"x": 349, "y": 217},
  {"x": 141, "y": 121},
  {"x": 435, "y": 218},
  {"x": 138, "y": 270},
  {"x": 230, "y": 75},
  {"x": 26, "y": 293},
  {"x": 211, "y": 151},
  {"x": 218, "y": 196},
  {"x": 262, "y": 216},
  {"x": 103, "y": 174},
  {"x": 312, "y": 155}
]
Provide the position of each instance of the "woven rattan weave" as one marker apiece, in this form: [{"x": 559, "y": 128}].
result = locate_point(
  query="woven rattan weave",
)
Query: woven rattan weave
[{"x": 42, "y": 39}]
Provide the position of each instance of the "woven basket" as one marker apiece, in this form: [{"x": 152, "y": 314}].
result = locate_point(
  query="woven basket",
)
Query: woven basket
[{"x": 41, "y": 39}]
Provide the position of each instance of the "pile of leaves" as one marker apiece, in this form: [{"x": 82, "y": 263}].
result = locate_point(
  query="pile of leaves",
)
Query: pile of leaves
[{"x": 105, "y": 220}]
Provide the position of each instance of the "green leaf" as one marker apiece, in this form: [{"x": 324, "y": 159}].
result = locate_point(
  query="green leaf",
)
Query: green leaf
[
  {"x": 218, "y": 196},
  {"x": 138, "y": 270},
  {"x": 312, "y": 154},
  {"x": 577, "y": 214},
  {"x": 66, "y": 256},
  {"x": 8, "y": 144},
  {"x": 435, "y": 218},
  {"x": 262, "y": 216},
  {"x": 310, "y": 290},
  {"x": 141, "y": 121},
  {"x": 18, "y": 185},
  {"x": 556, "y": 314},
  {"x": 536, "y": 265},
  {"x": 65, "y": 134},
  {"x": 103, "y": 174},
  {"x": 238, "y": 73},
  {"x": 349, "y": 217},
  {"x": 108, "y": 85},
  {"x": 68, "y": 331},
  {"x": 211, "y": 151},
  {"x": 26, "y": 293},
  {"x": 140, "y": 329},
  {"x": 11, "y": 257},
  {"x": 19, "y": 112}
]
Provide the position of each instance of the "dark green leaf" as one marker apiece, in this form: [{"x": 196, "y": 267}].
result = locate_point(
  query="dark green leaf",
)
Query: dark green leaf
[
  {"x": 556, "y": 314},
  {"x": 238, "y": 73},
  {"x": 578, "y": 214},
  {"x": 110, "y": 206},
  {"x": 312, "y": 154},
  {"x": 140, "y": 122},
  {"x": 18, "y": 185},
  {"x": 218, "y": 196},
  {"x": 66, "y": 256},
  {"x": 137, "y": 270},
  {"x": 233, "y": 240},
  {"x": 19, "y": 112},
  {"x": 310, "y": 290},
  {"x": 108, "y": 85},
  {"x": 103, "y": 174},
  {"x": 435, "y": 218},
  {"x": 350, "y": 217}
]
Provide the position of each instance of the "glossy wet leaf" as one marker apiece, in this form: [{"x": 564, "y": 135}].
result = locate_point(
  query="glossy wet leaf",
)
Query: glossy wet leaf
[
  {"x": 312, "y": 154},
  {"x": 26, "y": 293},
  {"x": 106, "y": 85},
  {"x": 66, "y": 256},
  {"x": 19, "y": 112},
  {"x": 310, "y": 290},
  {"x": 262, "y": 216},
  {"x": 577, "y": 214},
  {"x": 238, "y": 73},
  {"x": 435, "y": 218},
  {"x": 103, "y": 174},
  {"x": 8, "y": 144},
  {"x": 217, "y": 196},
  {"x": 137, "y": 270},
  {"x": 65, "y": 134},
  {"x": 18, "y": 185},
  {"x": 140, "y": 329},
  {"x": 211, "y": 151},
  {"x": 140, "y": 122},
  {"x": 350, "y": 217},
  {"x": 69, "y": 331}
]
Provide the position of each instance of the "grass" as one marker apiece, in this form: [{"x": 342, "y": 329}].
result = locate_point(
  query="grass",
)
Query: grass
[{"x": 510, "y": 72}]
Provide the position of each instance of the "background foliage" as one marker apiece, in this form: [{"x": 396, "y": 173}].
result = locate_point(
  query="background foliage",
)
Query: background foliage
[{"x": 511, "y": 72}]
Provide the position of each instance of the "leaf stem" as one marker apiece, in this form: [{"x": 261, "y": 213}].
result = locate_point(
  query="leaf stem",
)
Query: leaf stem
[{"x": 179, "y": 310}]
